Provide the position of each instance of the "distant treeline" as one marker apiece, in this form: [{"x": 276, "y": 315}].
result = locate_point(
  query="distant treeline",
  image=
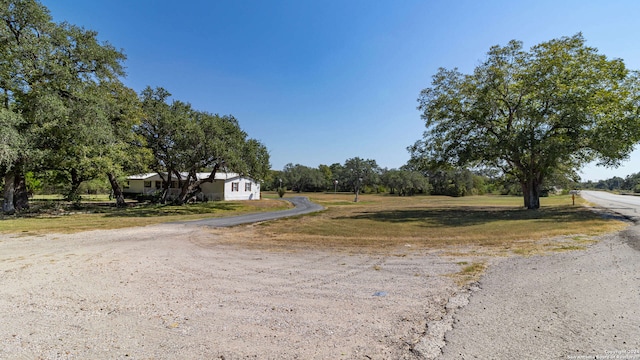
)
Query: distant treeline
[
  {"x": 365, "y": 176},
  {"x": 630, "y": 183}
]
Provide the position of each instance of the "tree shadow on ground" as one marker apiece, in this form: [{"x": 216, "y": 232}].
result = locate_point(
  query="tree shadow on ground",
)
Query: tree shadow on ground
[
  {"x": 468, "y": 215},
  {"x": 169, "y": 210}
]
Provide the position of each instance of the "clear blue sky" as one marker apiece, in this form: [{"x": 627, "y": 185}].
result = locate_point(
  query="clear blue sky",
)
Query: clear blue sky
[{"x": 322, "y": 81}]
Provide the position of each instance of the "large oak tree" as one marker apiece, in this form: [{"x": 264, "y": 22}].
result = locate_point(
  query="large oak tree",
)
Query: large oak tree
[
  {"x": 529, "y": 113},
  {"x": 44, "y": 69},
  {"x": 185, "y": 141}
]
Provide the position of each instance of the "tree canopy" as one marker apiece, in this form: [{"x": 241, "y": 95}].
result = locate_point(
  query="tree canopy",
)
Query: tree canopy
[
  {"x": 359, "y": 172},
  {"x": 530, "y": 113},
  {"x": 66, "y": 115},
  {"x": 46, "y": 72},
  {"x": 405, "y": 182},
  {"x": 185, "y": 140},
  {"x": 303, "y": 178}
]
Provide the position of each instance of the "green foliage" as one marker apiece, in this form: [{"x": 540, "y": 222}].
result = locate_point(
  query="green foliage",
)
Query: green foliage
[
  {"x": 11, "y": 141},
  {"x": 34, "y": 184},
  {"x": 303, "y": 178},
  {"x": 327, "y": 175},
  {"x": 358, "y": 172},
  {"x": 629, "y": 184},
  {"x": 51, "y": 107},
  {"x": 530, "y": 113},
  {"x": 405, "y": 182},
  {"x": 95, "y": 186},
  {"x": 184, "y": 140},
  {"x": 271, "y": 181}
]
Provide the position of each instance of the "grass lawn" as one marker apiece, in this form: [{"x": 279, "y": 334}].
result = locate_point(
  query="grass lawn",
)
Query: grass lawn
[
  {"x": 52, "y": 215},
  {"x": 499, "y": 223}
]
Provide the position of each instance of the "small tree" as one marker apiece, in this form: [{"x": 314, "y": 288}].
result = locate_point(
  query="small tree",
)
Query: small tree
[{"x": 358, "y": 172}]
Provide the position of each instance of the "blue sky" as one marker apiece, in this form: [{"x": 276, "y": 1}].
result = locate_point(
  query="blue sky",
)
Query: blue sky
[{"x": 322, "y": 81}]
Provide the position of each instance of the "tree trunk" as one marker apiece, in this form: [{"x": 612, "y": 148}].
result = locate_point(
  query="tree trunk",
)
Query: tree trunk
[
  {"x": 190, "y": 191},
  {"x": 21, "y": 195},
  {"x": 531, "y": 193},
  {"x": 9, "y": 191},
  {"x": 117, "y": 192},
  {"x": 73, "y": 194},
  {"x": 192, "y": 185},
  {"x": 166, "y": 185}
]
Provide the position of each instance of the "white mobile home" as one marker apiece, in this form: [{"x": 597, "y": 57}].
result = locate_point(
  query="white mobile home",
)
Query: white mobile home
[{"x": 226, "y": 186}]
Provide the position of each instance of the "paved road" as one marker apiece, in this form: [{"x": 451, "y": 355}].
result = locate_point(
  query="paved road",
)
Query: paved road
[
  {"x": 302, "y": 206},
  {"x": 572, "y": 305},
  {"x": 626, "y": 205}
]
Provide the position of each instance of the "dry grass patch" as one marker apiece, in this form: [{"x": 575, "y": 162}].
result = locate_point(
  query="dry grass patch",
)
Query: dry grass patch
[
  {"x": 428, "y": 222},
  {"x": 469, "y": 272},
  {"x": 60, "y": 217}
]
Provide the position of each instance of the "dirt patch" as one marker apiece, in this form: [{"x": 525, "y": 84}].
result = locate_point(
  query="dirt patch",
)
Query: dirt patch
[{"x": 174, "y": 291}]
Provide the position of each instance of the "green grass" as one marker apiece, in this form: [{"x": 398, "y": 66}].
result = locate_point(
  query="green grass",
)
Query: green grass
[{"x": 104, "y": 198}]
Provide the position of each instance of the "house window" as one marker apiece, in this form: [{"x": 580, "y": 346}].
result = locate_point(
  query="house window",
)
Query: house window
[
  {"x": 147, "y": 184},
  {"x": 235, "y": 186},
  {"x": 174, "y": 184},
  {"x": 247, "y": 186},
  {"x": 158, "y": 184}
]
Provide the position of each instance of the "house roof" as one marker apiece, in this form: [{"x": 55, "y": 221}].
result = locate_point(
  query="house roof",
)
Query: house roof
[{"x": 202, "y": 175}]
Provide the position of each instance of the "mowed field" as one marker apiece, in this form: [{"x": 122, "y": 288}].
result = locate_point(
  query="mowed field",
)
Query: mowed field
[
  {"x": 494, "y": 223},
  {"x": 49, "y": 214},
  {"x": 377, "y": 222}
]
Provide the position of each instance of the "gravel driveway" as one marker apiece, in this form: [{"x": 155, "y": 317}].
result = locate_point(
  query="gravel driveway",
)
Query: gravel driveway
[
  {"x": 573, "y": 305},
  {"x": 178, "y": 291}
]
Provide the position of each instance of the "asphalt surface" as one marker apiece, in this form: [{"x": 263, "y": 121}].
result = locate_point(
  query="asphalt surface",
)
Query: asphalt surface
[
  {"x": 625, "y": 205},
  {"x": 302, "y": 206},
  {"x": 572, "y": 305}
]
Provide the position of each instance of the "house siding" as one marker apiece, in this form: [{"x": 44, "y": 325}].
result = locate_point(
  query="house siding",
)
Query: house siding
[
  {"x": 213, "y": 191},
  {"x": 241, "y": 193},
  {"x": 219, "y": 189}
]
